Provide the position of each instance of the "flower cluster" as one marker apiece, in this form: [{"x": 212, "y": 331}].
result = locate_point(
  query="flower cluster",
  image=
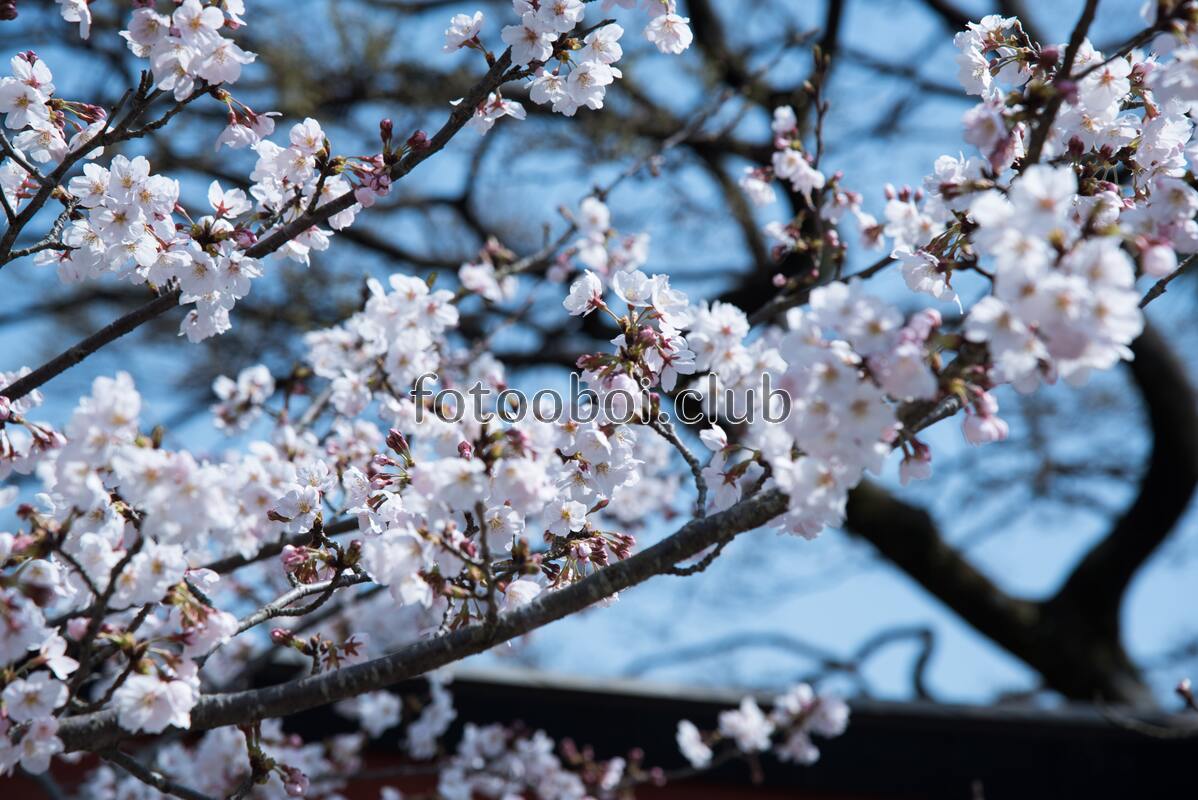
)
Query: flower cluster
[
  {"x": 584, "y": 68},
  {"x": 600, "y": 247},
  {"x": 1079, "y": 188},
  {"x": 49, "y": 127},
  {"x": 241, "y": 400},
  {"x": 186, "y": 50},
  {"x": 826, "y": 200},
  {"x": 842, "y": 421},
  {"x": 796, "y": 715},
  {"x": 510, "y": 761},
  {"x": 22, "y": 442}
]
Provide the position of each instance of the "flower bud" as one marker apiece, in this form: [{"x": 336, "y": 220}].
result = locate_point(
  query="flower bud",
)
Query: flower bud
[
  {"x": 915, "y": 468},
  {"x": 89, "y": 112},
  {"x": 417, "y": 141},
  {"x": 295, "y": 783},
  {"x": 1068, "y": 90},
  {"x": 397, "y": 442},
  {"x": 293, "y": 558},
  {"x": 244, "y": 237}
]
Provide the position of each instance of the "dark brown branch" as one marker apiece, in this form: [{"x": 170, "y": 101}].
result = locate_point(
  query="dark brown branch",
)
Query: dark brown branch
[
  {"x": 1072, "y": 639},
  {"x": 106, "y": 335},
  {"x": 1093, "y": 592},
  {"x": 1162, "y": 286},
  {"x": 1049, "y": 115},
  {"x": 953, "y": 18},
  {"x": 908, "y": 537}
]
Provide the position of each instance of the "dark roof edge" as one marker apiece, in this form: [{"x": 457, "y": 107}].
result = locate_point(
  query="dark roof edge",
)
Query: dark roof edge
[{"x": 1072, "y": 715}]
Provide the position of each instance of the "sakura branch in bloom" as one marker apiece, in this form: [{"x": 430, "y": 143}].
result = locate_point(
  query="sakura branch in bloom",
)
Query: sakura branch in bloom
[{"x": 393, "y": 535}]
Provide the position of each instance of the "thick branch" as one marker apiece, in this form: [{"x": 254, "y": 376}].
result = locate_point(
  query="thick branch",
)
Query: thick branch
[
  {"x": 1072, "y": 639},
  {"x": 908, "y": 537},
  {"x": 100, "y": 731},
  {"x": 1093, "y": 592}
]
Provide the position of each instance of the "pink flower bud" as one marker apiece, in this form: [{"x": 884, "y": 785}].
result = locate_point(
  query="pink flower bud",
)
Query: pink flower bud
[
  {"x": 1158, "y": 261},
  {"x": 295, "y": 783},
  {"x": 1068, "y": 90},
  {"x": 984, "y": 430},
  {"x": 382, "y": 461},
  {"x": 89, "y": 112},
  {"x": 779, "y": 280},
  {"x": 397, "y": 442},
  {"x": 293, "y": 558},
  {"x": 418, "y": 141},
  {"x": 465, "y": 450},
  {"x": 915, "y": 468},
  {"x": 985, "y": 404},
  {"x": 77, "y": 627}
]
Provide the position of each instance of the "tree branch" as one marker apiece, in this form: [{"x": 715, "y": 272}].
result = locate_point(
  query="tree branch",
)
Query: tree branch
[
  {"x": 99, "y": 731},
  {"x": 1073, "y": 638},
  {"x": 1093, "y": 592}
]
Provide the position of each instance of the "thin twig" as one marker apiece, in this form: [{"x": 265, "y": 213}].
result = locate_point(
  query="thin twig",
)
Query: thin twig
[
  {"x": 151, "y": 777},
  {"x": 666, "y": 430},
  {"x": 786, "y": 301},
  {"x": 282, "y": 606},
  {"x": 1161, "y": 286},
  {"x": 226, "y": 565},
  {"x": 1040, "y": 134},
  {"x": 99, "y": 609}
]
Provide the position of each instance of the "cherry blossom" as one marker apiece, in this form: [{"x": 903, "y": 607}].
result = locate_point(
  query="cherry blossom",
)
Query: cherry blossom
[{"x": 370, "y": 463}]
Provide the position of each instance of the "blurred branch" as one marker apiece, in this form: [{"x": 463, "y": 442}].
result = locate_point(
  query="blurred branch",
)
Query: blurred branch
[
  {"x": 1072, "y": 639},
  {"x": 827, "y": 662},
  {"x": 953, "y": 18},
  {"x": 1093, "y": 593}
]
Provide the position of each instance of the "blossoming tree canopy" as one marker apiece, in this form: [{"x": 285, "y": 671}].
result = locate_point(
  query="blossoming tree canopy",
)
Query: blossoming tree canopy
[{"x": 399, "y": 531}]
